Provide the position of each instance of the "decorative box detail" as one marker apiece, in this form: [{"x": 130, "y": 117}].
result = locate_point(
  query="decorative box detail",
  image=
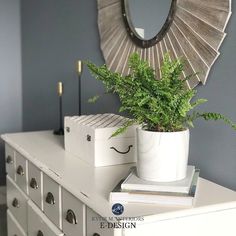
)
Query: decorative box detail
[{"x": 88, "y": 137}]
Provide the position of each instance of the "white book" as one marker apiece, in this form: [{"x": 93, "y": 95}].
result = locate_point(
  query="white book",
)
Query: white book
[
  {"x": 161, "y": 198},
  {"x": 133, "y": 182}
]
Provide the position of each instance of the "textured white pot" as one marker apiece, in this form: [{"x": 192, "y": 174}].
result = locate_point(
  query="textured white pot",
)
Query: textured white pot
[{"x": 162, "y": 156}]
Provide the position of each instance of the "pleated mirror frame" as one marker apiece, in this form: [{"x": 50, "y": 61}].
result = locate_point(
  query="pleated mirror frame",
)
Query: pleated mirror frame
[{"x": 196, "y": 34}]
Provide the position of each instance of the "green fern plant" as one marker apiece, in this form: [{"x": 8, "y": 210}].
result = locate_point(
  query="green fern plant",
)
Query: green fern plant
[{"x": 159, "y": 105}]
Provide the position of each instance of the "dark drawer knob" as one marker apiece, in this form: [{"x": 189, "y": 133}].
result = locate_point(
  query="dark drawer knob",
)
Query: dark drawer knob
[
  {"x": 9, "y": 160},
  {"x": 40, "y": 233},
  {"x": 15, "y": 203},
  {"x": 50, "y": 198},
  {"x": 96, "y": 234},
  {"x": 34, "y": 184},
  {"x": 70, "y": 217},
  {"x": 20, "y": 170}
]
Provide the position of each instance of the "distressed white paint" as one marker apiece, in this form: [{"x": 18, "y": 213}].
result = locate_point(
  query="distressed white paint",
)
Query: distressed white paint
[
  {"x": 213, "y": 213},
  {"x": 89, "y": 138}
]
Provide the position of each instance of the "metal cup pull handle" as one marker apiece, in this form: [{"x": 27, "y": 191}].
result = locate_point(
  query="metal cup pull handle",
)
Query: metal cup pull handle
[
  {"x": 40, "y": 233},
  {"x": 71, "y": 217},
  {"x": 15, "y": 203},
  {"x": 9, "y": 160},
  {"x": 96, "y": 234},
  {"x": 20, "y": 170},
  {"x": 50, "y": 198},
  {"x": 34, "y": 184}
]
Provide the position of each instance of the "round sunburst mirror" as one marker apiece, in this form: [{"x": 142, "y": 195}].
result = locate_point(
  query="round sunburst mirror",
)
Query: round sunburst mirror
[{"x": 191, "y": 29}]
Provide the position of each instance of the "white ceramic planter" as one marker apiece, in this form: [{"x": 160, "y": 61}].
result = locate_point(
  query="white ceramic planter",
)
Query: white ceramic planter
[{"x": 162, "y": 156}]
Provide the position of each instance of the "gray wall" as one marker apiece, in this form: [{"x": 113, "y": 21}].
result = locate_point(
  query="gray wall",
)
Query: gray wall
[
  {"x": 213, "y": 145},
  {"x": 56, "y": 33},
  {"x": 10, "y": 73}
]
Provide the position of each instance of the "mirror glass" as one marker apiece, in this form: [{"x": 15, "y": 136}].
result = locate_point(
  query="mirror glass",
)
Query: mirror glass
[{"x": 147, "y": 17}]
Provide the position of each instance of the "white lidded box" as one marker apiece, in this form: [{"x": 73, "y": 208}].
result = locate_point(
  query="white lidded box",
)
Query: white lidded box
[{"x": 88, "y": 137}]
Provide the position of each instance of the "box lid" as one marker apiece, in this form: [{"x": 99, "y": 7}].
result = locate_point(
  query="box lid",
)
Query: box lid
[{"x": 102, "y": 126}]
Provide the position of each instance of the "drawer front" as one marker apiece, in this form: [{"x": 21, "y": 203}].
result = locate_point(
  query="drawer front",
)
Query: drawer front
[
  {"x": 13, "y": 227},
  {"x": 93, "y": 226},
  {"x": 35, "y": 184},
  {"x": 17, "y": 203},
  {"x": 10, "y": 161},
  {"x": 73, "y": 212},
  {"x": 21, "y": 172},
  {"x": 52, "y": 200},
  {"x": 39, "y": 224}
]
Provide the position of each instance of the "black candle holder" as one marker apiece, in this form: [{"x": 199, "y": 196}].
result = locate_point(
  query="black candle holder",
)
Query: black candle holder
[
  {"x": 79, "y": 73},
  {"x": 60, "y": 131}
]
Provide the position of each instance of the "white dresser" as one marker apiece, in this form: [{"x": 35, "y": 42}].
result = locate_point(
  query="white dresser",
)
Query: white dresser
[{"x": 51, "y": 192}]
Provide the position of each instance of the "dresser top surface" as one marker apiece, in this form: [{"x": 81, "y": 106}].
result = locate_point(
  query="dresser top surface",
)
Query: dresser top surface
[{"x": 93, "y": 185}]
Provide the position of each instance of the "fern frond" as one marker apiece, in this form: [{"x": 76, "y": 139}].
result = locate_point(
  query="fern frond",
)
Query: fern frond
[
  {"x": 93, "y": 99},
  {"x": 123, "y": 128},
  {"x": 164, "y": 104}
]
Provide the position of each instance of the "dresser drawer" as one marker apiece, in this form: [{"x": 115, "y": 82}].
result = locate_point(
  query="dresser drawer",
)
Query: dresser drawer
[
  {"x": 10, "y": 161},
  {"x": 21, "y": 172},
  {"x": 14, "y": 228},
  {"x": 35, "y": 184},
  {"x": 39, "y": 224},
  {"x": 93, "y": 225},
  {"x": 52, "y": 200},
  {"x": 17, "y": 203},
  {"x": 73, "y": 212}
]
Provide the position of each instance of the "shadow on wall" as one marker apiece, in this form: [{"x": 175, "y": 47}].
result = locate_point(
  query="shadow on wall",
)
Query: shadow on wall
[
  {"x": 3, "y": 221},
  {"x": 10, "y": 73},
  {"x": 2, "y": 165}
]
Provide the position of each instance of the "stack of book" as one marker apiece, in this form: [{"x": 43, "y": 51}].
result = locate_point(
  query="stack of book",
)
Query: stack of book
[{"x": 135, "y": 190}]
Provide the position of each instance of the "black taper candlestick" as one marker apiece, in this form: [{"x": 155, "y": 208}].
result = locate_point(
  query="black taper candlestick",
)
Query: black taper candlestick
[
  {"x": 79, "y": 71},
  {"x": 60, "y": 131},
  {"x": 79, "y": 95}
]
